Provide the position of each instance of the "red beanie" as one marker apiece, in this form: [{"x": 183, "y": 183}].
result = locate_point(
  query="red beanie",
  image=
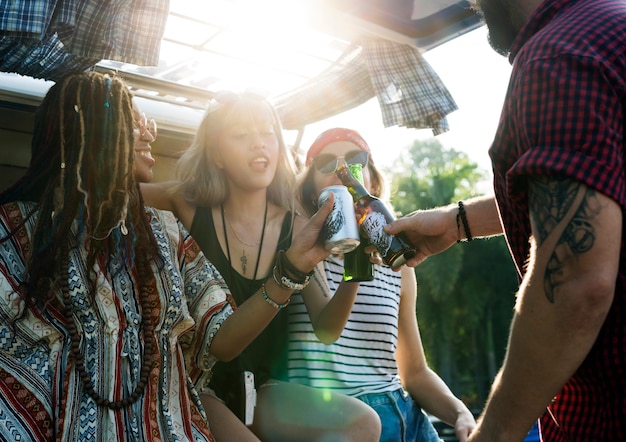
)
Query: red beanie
[{"x": 332, "y": 135}]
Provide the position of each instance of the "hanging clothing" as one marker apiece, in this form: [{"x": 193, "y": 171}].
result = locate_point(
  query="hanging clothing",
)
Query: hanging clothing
[
  {"x": 409, "y": 91},
  {"x": 47, "y": 40}
]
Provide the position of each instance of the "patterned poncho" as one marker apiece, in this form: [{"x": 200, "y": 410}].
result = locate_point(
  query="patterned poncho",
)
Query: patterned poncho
[{"x": 41, "y": 394}]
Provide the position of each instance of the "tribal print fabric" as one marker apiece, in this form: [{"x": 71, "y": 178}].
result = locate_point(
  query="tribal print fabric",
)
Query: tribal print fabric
[{"x": 42, "y": 396}]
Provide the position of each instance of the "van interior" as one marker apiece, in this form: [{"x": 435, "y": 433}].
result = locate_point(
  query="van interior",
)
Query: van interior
[{"x": 310, "y": 48}]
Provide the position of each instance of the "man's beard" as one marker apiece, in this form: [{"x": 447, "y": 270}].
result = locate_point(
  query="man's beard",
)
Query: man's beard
[{"x": 497, "y": 15}]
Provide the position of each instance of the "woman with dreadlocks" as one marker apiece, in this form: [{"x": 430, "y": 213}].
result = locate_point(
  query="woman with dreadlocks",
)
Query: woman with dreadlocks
[{"x": 109, "y": 313}]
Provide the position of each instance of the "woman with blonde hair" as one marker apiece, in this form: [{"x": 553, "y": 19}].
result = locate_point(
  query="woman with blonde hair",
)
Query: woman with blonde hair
[{"x": 235, "y": 193}]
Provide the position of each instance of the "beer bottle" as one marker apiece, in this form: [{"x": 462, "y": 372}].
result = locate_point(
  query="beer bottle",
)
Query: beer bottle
[
  {"x": 356, "y": 264},
  {"x": 373, "y": 215}
]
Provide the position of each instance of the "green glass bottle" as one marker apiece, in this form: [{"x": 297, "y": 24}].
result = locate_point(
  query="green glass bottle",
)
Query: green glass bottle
[
  {"x": 356, "y": 264},
  {"x": 374, "y": 215}
]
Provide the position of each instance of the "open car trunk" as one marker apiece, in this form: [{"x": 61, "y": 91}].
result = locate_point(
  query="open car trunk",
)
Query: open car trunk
[{"x": 326, "y": 56}]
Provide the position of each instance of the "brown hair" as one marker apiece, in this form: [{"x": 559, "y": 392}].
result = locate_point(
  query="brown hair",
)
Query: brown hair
[{"x": 81, "y": 172}]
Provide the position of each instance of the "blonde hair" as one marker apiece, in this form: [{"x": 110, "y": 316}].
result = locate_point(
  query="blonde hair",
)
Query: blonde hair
[{"x": 203, "y": 183}]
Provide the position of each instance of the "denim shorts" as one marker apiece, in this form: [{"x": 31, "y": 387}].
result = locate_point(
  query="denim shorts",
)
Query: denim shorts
[{"x": 401, "y": 418}]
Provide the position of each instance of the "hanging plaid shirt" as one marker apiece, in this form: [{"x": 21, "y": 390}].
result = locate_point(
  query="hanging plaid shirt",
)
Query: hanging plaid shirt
[
  {"x": 409, "y": 91},
  {"x": 42, "y": 396},
  {"x": 564, "y": 115},
  {"x": 50, "y": 39}
]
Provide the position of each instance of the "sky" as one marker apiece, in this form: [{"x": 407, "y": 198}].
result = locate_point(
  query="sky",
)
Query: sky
[{"x": 477, "y": 78}]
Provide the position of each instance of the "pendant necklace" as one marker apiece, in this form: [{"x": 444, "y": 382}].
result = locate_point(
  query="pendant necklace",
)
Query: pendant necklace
[{"x": 244, "y": 259}]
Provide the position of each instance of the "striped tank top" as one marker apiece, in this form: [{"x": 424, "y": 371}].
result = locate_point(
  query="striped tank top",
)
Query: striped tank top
[{"x": 362, "y": 360}]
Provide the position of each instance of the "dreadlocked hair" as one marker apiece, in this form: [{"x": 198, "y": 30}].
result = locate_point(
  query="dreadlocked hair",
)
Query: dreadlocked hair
[{"x": 81, "y": 179}]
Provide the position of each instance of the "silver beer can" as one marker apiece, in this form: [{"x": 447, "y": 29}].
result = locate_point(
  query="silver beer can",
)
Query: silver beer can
[{"x": 341, "y": 231}]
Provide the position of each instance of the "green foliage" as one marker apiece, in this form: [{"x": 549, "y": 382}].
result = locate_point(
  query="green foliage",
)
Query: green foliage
[
  {"x": 427, "y": 176},
  {"x": 465, "y": 294}
]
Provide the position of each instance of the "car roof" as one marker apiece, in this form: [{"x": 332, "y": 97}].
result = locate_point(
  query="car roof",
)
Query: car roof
[
  {"x": 210, "y": 45},
  {"x": 225, "y": 44},
  {"x": 279, "y": 45}
]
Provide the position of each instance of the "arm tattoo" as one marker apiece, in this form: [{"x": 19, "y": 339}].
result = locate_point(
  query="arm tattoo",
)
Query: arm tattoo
[
  {"x": 317, "y": 276},
  {"x": 565, "y": 208}
]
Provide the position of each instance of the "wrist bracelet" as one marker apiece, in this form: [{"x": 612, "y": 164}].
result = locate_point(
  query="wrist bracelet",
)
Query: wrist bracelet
[
  {"x": 285, "y": 265},
  {"x": 271, "y": 302},
  {"x": 286, "y": 283},
  {"x": 462, "y": 217}
]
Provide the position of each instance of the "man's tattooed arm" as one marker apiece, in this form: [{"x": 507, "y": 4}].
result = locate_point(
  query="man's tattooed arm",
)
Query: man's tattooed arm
[{"x": 562, "y": 212}]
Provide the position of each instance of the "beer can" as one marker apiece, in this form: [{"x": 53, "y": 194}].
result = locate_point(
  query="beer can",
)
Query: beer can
[{"x": 341, "y": 231}]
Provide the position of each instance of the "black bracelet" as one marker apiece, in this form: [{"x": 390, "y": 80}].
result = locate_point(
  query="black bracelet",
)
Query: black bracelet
[
  {"x": 462, "y": 217},
  {"x": 286, "y": 266}
]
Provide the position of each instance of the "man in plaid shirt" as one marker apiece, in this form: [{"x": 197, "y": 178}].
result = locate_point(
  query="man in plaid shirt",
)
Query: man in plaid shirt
[{"x": 559, "y": 182}]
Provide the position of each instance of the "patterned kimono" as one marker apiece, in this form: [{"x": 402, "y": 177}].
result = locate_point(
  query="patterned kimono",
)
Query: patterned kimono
[{"x": 41, "y": 394}]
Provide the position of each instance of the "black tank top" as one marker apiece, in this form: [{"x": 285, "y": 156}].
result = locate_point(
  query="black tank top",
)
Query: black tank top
[{"x": 266, "y": 356}]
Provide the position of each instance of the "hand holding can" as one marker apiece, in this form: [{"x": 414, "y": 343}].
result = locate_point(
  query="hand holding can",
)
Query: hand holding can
[{"x": 341, "y": 231}]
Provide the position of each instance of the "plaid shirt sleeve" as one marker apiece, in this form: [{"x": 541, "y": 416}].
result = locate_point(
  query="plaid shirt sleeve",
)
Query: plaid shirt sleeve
[{"x": 571, "y": 121}]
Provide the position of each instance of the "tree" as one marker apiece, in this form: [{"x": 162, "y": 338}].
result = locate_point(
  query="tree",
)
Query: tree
[
  {"x": 465, "y": 294},
  {"x": 428, "y": 175}
]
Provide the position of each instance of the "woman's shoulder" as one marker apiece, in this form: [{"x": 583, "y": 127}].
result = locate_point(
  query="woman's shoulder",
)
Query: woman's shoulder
[
  {"x": 163, "y": 220},
  {"x": 160, "y": 195},
  {"x": 167, "y": 195}
]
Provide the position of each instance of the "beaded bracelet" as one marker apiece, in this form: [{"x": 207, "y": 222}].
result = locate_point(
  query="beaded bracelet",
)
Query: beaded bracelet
[
  {"x": 271, "y": 302},
  {"x": 462, "y": 216},
  {"x": 286, "y": 283}
]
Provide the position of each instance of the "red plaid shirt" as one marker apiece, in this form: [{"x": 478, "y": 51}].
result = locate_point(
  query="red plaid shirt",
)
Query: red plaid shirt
[{"x": 564, "y": 114}]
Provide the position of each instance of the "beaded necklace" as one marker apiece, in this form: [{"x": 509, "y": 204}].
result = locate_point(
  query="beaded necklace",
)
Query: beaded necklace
[{"x": 147, "y": 325}]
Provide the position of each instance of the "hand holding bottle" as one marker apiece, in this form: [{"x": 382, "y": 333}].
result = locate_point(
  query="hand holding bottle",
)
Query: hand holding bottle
[{"x": 373, "y": 215}]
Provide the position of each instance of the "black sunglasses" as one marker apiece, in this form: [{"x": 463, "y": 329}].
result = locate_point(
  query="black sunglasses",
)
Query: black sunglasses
[{"x": 327, "y": 163}]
